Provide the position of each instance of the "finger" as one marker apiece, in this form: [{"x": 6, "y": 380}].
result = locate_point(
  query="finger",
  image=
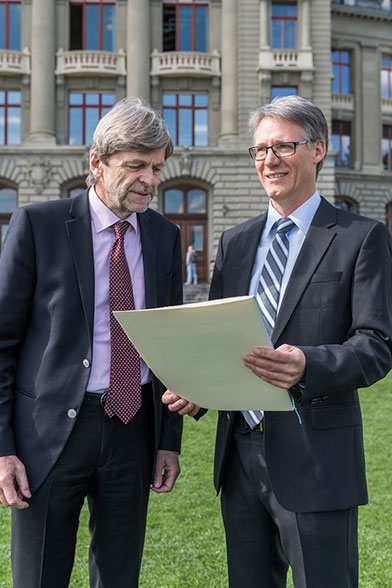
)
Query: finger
[
  {"x": 3, "y": 499},
  {"x": 12, "y": 496},
  {"x": 22, "y": 482},
  {"x": 169, "y": 397}
]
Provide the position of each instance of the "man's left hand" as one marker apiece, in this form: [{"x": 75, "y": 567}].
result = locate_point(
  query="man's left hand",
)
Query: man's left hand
[
  {"x": 167, "y": 470},
  {"x": 282, "y": 367}
]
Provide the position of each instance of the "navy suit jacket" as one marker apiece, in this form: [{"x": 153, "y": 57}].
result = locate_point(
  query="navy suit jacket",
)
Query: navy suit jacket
[
  {"x": 337, "y": 309},
  {"x": 46, "y": 325}
]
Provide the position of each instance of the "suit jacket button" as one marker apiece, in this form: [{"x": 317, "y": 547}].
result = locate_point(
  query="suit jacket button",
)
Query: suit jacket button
[
  {"x": 72, "y": 413},
  {"x": 86, "y": 363}
]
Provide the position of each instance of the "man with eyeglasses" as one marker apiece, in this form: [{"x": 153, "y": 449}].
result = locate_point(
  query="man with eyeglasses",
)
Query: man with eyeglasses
[{"x": 291, "y": 482}]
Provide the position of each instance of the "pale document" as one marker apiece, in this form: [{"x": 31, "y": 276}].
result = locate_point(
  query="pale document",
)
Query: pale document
[{"x": 196, "y": 351}]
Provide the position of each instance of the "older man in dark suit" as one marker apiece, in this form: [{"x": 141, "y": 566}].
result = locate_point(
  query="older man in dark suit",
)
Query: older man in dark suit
[
  {"x": 80, "y": 413},
  {"x": 291, "y": 482}
]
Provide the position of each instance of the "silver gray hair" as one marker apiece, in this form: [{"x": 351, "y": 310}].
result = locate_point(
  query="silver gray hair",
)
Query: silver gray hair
[
  {"x": 297, "y": 110},
  {"x": 131, "y": 125}
]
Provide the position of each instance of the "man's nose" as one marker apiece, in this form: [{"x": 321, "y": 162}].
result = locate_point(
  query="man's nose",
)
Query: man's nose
[
  {"x": 147, "y": 176},
  {"x": 271, "y": 157}
]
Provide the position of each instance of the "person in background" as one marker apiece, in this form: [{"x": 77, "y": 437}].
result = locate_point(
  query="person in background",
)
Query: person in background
[
  {"x": 291, "y": 482},
  {"x": 81, "y": 414},
  {"x": 191, "y": 265}
]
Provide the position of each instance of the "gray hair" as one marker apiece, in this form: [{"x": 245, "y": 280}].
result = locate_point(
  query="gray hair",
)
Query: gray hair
[
  {"x": 131, "y": 125},
  {"x": 297, "y": 110}
]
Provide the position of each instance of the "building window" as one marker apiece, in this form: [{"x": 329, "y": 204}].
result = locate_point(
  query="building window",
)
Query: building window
[
  {"x": 388, "y": 216},
  {"x": 92, "y": 25},
  {"x": 10, "y": 116},
  {"x": 280, "y": 91},
  {"x": 10, "y": 29},
  {"x": 341, "y": 138},
  {"x": 187, "y": 207},
  {"x": 284, "y": 26},
  {"x": 187, "y": 118},
  {"x": 8, "y": 203},
  {"x": 341, "y": 72},
  {"x": 345, "y": 204},
  {"x": 386, "y": 147},
  {"x": 185, "y": 25},
  {"x": 386, "y": 77},
  {"x": 85, "y": 110}
]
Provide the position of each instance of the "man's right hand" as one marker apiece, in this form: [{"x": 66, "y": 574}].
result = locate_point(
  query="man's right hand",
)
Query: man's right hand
[
  {"x": 176, "y": 403},
  {"x": 14, "y": 485}
]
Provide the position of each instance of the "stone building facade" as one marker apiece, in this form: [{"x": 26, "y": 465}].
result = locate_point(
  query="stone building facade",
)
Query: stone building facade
[{"x": 205, "y": 64}]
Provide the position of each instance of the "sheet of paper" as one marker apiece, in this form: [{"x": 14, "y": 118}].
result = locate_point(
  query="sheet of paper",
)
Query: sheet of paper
[{"x": 196, "y": 351}]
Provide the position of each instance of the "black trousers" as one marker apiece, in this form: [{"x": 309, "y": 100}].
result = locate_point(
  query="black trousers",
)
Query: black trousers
[
  {"x": 110, "y": 463},
  {"x": 264, "y": 539}
]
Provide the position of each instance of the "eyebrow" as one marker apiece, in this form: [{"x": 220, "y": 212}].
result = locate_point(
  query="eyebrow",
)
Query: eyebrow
[{"x": 140, "y": 162}]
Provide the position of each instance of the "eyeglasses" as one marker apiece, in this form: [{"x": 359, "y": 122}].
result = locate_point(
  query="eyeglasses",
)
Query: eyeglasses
[{"x": 279, "y": 149}]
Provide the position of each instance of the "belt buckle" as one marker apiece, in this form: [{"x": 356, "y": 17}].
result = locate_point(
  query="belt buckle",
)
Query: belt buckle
[{"x": 102, "y": 400}]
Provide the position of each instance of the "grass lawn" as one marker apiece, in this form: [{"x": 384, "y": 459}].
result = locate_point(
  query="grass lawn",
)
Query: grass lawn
[{"x": 185, "y": 541}]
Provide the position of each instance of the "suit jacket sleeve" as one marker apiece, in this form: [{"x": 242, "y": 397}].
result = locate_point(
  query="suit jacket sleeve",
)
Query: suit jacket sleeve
[
  {"x": 366, "y": 354},
  {"x": 171, "y": 430},
  {"x": 17, "y": 284}
]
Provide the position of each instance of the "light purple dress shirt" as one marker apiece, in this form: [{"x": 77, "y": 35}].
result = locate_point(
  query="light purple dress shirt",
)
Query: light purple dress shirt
[{"x": 102, "y": 219}]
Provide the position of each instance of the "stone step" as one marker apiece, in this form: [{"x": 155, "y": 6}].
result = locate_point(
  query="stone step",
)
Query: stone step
[{"x": 195, "y": 293}]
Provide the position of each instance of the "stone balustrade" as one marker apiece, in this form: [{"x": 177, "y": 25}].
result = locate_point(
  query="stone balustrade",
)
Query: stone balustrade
[
  {"x": 15, "y": 62},
  {"x": 102, "y": 63},
  {"x": 179, "y": 63},
  {"x": 285, "y": 59}
]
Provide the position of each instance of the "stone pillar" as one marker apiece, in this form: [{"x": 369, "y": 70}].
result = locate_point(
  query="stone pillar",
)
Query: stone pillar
[
  {"x": 138, "y": 49},
  {"x": 264, "y": 24},
  {"x": 305, "y": 26},
  {"x": 229, "y": 94},
  {"x": 371, "y": 116},
  {"x": 42, "y": 113}
]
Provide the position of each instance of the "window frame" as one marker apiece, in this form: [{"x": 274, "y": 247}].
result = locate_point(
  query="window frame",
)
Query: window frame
[
  {"x": 193, "y": 107},
  {"x": 7, "y": 4},
  {"x": 177, "y": 5},
  {"x": 340, "y": 65},
  {"x": 387, "y": 69},
  {"x": 387, "y": 138},
  {"x": 100, "y": 4},
  {"x": 342, "y": 134},
  {"x": 84, "y": 107},
  {"x": 284, "y": 20},
  {"x": 6, "y": 105}
]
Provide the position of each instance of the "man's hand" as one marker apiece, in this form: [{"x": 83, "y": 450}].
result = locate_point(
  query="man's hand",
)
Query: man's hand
[
  {"x": 176, "y": 403},
  {"x": 283, "y": 367},
  {"x": 167, "y": 470},
  {"x": 14, "y": 486}
]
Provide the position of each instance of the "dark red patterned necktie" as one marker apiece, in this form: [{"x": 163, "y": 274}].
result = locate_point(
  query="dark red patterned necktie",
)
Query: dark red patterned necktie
[{"x": 124, "y": 395}]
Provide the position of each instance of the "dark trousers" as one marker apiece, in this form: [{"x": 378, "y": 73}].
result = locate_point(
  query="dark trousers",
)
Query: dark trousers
[
  {"x": 111, "y": 464},
  {"x": 263, "y": 539}
]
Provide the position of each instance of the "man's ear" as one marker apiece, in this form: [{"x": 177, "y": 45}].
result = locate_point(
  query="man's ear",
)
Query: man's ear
[
  {"x": 319, "y": 151},
  {"x": 96, "y": 165}
]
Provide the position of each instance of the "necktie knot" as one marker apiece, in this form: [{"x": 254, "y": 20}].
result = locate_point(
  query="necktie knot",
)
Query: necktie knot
[
  {"x": 120, "y": 228},
  {"x": 284, "y": 225}
]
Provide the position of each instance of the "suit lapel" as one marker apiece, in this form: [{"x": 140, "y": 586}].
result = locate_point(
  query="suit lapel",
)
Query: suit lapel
[
  {"x": 246, "y": 248},
  {"x": 317, "y": 241},
  {"x": 79, "y": 235},
  {"x": 148, "y": 237}
]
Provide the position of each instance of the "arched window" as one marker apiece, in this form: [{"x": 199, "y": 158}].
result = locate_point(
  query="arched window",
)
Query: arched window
[
  {"x": 346, "y": 204},
  {"x": 186, "y": 206},
  {"x": 388, "y": 216},
  {"x": 8, "y": 203}
]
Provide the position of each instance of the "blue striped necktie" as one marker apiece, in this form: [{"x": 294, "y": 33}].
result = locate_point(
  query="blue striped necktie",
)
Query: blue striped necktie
[{"x": 268, "y": 290}]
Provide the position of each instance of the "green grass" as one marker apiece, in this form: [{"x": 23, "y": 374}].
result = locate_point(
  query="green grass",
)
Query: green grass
[{"x": 185, "y": 545}]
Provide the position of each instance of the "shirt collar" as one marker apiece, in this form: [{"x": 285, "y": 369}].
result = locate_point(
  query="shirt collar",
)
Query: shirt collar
[
  {"x": 301, "y": 216},
  {"x": 102, "y": 217}
]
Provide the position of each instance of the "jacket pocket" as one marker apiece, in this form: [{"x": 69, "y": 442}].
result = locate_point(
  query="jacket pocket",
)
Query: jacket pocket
[
  {"x": 326, "y": 277},
  {"x": 24, "y": 392},
  {"x": 331, "y": 417}
]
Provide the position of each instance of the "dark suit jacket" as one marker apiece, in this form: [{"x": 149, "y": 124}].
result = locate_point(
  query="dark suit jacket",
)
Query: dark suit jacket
[
  {"x": 46, "y": 325},
  {"x": 337, "y": 309}
]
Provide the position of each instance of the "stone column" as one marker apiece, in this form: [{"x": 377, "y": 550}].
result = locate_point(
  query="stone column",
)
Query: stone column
[
  {"x": 264, "y": 24},
  {"x": 371, "y": 116},
  {"x": 42, "y": 113},
  {"x": 138, "y": 49},
  {"x": 229, "y": 100},
  {"x": 305, "y": 26}
]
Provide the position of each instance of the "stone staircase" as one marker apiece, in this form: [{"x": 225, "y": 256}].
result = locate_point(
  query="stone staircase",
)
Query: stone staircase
[{"x": 195, "y": 293}]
